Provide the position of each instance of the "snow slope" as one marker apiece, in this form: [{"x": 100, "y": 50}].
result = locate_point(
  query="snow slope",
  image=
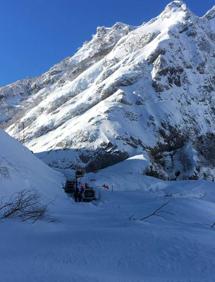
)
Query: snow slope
[
  {"x": 117, "y": 238},
  {"x": 113, "y": 240},
  {"x": 130, "y": 90},
  {"x": 21, "y": 170}
]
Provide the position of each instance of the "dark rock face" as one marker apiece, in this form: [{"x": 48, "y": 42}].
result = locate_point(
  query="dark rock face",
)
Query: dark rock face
[
  {"x": 205, "y": 145},
  {"x": 106, "y": 156},
  {"x": 104, "y": 159},
  {"x": 169, "y": 157},
  {"x": 173, "y": 158}
]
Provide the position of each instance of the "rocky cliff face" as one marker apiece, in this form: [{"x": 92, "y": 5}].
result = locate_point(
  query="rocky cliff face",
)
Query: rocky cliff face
[{"x": 130, "y": 90}]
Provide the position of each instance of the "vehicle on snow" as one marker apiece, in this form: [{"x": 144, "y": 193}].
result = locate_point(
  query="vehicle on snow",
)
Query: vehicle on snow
[{"x": 87, "y": 195}]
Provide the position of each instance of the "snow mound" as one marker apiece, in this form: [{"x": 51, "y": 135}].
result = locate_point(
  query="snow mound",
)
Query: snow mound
[
  {"x": 21, "y": 170},
  {"x": 127, "y": 175}
]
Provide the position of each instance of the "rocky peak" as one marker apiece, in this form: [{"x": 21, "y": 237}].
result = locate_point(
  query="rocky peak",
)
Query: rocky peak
[
  {"x": 113, "y": 33},
  {"x": 102, "y": 30},
  {"x": 177, "y": 12},
  {"x": 176, "y": 5},
  {"x": 210, "y": 14}
]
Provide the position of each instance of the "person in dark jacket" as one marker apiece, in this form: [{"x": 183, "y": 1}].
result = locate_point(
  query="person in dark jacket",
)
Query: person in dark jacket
[
  {"x": 76, "y": 195},
  {"x": 81, "y": 192}
]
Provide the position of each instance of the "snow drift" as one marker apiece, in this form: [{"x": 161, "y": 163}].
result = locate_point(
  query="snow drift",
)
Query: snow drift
[{"x": 21, "y": 170}]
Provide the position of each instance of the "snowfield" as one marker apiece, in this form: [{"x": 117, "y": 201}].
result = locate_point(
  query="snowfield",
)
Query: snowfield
[
  {"x": 111, "y": 241},
  {"x": 143, "y": 230}
]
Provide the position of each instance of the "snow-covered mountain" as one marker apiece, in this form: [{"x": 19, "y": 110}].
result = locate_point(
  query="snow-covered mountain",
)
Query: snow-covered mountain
[
  {"x": 21, "y": 170},
  {"x": 130, "y": 90}
]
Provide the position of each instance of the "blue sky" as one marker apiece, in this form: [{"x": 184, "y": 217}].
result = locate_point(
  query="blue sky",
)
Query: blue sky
[{"x": 35, "y": 34}]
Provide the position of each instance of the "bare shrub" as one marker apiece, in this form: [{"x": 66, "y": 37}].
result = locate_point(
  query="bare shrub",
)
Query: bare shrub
[{"x": 25, "y": 205}]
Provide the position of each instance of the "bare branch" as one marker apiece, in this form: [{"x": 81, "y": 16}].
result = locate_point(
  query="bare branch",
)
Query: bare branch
[
  {"x": 155, "y": 212},
  {"x": 25, "y": 205}
]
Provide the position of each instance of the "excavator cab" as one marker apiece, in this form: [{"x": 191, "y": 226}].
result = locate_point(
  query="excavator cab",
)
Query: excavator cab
[
  {"x": 71, "y": 186},
  {"x": 88, "y": 194}
]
